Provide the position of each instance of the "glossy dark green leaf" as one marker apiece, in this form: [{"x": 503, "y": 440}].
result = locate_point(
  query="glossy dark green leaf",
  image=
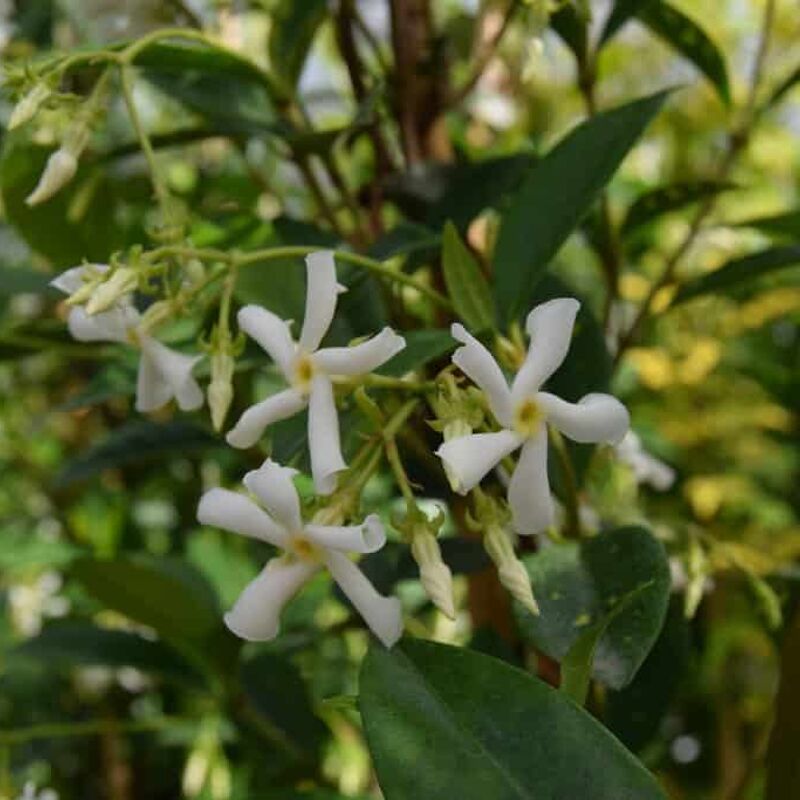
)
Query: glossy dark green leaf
[
  {"x": 276, "y": 691},
  {"x": 466, "y": 284},
  {"x": 577, "y": 664},
  {"x": 635, "y": 712},
  {"x": 665, "y": 199},
  {"x": 479, "y": 728},
  {"x": 679, "y": 31},
  {"x": 557, "y": 193},
  {"x": 779, "y": 225},
  {"x": 422, "y": 346},
  {"x": 73, "y": 644},
  {"x": 577, "y": 584},
  {"x": 294, "y": 26},
  {"x": 140, "y": 441},
  {"x": 166, "y": 594},
  {"x": 740, "y": 271}
]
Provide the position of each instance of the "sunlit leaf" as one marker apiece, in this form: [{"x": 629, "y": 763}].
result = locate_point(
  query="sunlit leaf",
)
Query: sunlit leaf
[
  {"x": 468, "y": 288},
  {"x": 780, "y": 225}
]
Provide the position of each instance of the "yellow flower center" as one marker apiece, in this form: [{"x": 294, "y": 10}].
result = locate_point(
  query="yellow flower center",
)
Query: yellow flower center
[
  {"x": 303, "y": 549},
  {"x": 528, "y": 418},
  {"x": 303, "y": 372}
]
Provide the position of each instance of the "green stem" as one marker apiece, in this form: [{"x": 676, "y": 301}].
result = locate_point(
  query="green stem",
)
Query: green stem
[{"x": 570, "y": 483}]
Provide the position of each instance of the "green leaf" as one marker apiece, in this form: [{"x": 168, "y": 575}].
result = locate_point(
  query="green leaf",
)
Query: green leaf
[
  {"x": 557, "y": 193},
  {"x": 739, "y": 271},
  {"x": 571, "y": 24},
  {"x": 422, "y": 346},
  {"x": 477, "y": 728},
  {"x": 665, "y": 199},
  {"x": 634, "y": 713},
  {"x": 576, "y": 584},
  {"x": 137, "y": 442},
  {"x": 276, "y": 691},
  {"x": 71, "y": 644},
  {"x": 294, "y": 26},
  {"x": 22, "y": 552},
  {"x": 780, "y": 225},
  {"x": 783, "y": 88},
  {"x": 166, "y": 594},
  {"x": 680, "y": 32},
  {"x": 18, "y": 280},
  {"x": 466, "y": 285},
  {"x": 576, "y": 666}
]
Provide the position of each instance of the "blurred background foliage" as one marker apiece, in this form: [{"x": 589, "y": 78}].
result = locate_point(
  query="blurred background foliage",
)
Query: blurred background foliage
[{"x": 111, "y": 593}]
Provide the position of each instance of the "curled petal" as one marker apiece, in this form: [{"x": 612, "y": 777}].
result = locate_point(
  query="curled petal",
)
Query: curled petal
[
  {"x": 365, "y": 538},
  {"x": 477, "y": 363},
  {"x": 469, "y": 458},
  {"x": 529, "y": 490},
  {"x": 109, "y": 326},
  {"x": 594, "y": 418},
  {"x": 323, "y": 435},
  {"x": 361, "y": 358},
  {"x": 236, "y": 513},
  {"x": 257, "y": 418},
  {"x": 382, "y": 614},
  {"x": 321, "y": 291},
  {"x": 165, "y": 373},
  {"x": 272, "y": 484},
  {"x": 549, "y": 326},
  {"x": 72, "y": 279},
  {"x": 272, "y": 334},
  {"x": 256, "y": 614}
]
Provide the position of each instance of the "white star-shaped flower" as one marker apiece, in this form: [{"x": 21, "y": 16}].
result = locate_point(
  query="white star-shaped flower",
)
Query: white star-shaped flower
[
  {"x": 523, "y": 412},
  {"x": 309, "y": 371},
  {"x": 164, "y": 373},
  {"x": 307, "y": 548}
]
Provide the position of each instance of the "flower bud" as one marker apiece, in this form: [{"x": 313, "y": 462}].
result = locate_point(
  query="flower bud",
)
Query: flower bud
[
  {"x": 437, "y": 580},
  {"x": 122, "y": 281},
  {"x": 155, "y": 314},
  {"x": 58, "y": 172},
  {"x": 510, "y": 569},
  {"x": 25, "y": 110},
  {"x": 220, "y": 390}
]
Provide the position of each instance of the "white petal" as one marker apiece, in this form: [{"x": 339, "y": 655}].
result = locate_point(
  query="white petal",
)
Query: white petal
[
  {"x": 152, "y": 391},
  {"x": 365, "y": 538},
  {"x": 594, "y": 418},
  {"x": 476, "y": 362},
  {"x": 109, "y": 326},
  {"x": 256, "y": 614},
  {"x": 253, "y": 422},
  {"x": 272, "y": 484},
  {"x": 236, "y": 513},
  {"x": 175, "y": 371},
  {"x": 529, "y": 490},
  {"x": 272, "y": 334},
  {"x": 323, "y": 435},
  {"x": 382, "y": 614},
  {"x": 361, "y": 358},
  {"x": 72, "y": 279},
  {"x": 469, "y": 458},
  {"x": 549, "y": 326},
  {"x": 321, "y": 291}
]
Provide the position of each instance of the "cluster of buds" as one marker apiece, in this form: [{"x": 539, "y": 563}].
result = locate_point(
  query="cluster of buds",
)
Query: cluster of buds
[
  {"x": 420, "y": 532},
  {"x": 491, "y": 518}
]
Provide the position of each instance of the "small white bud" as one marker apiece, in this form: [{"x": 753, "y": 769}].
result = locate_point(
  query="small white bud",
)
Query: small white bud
[
  {"x": 454, "y": 429},
  {"x": 510, "y": 569},
  {"x": 437, "y": 580},
  {"x": 220, "y": 390},
  {"x": 58, "y": 172},
  {"x": 122, "y": 281},
  {"x": 27, "y": 107}
]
